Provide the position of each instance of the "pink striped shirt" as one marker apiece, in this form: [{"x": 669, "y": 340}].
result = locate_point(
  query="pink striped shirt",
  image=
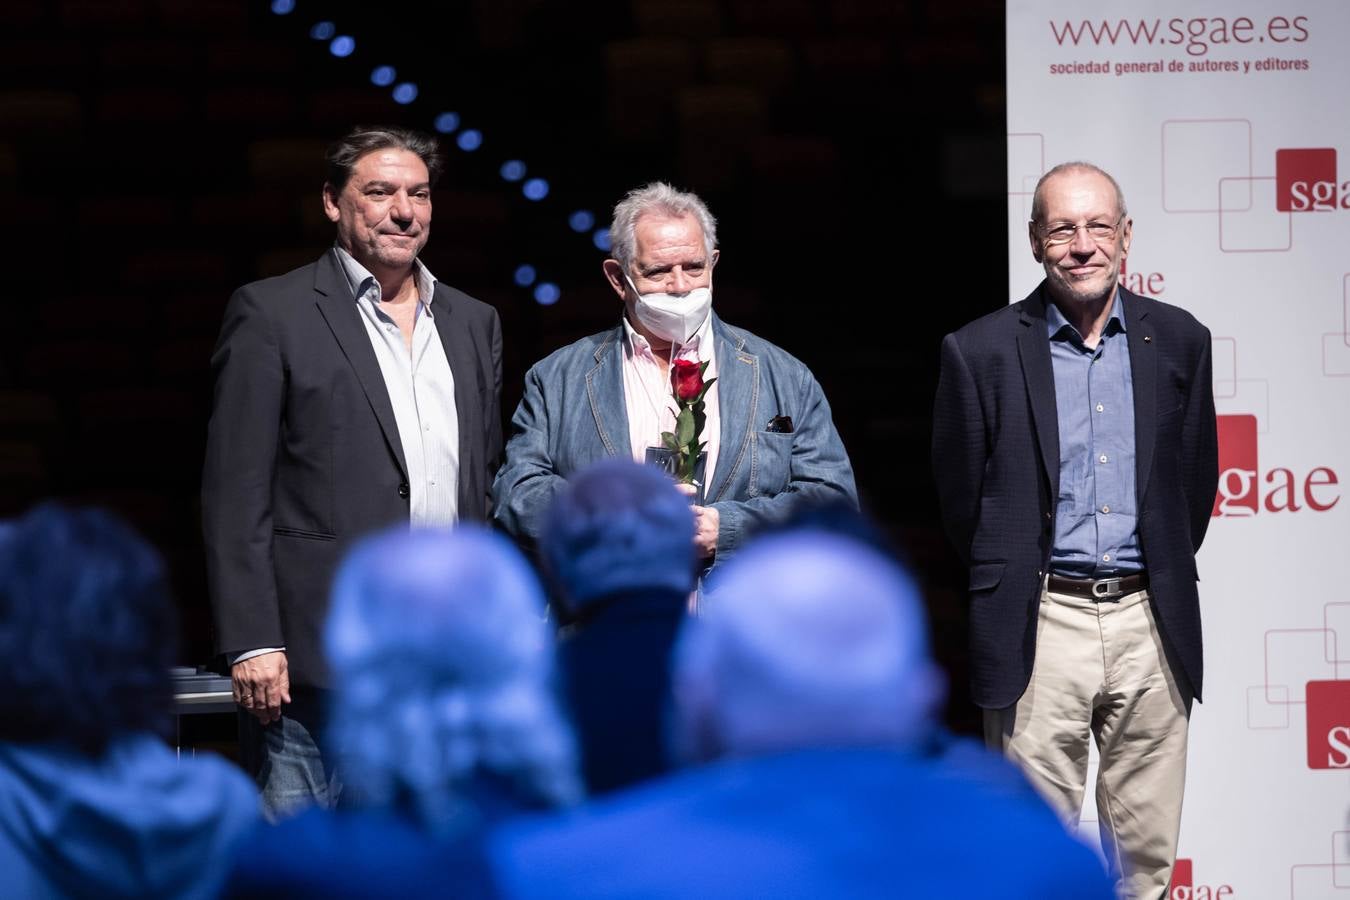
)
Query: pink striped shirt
[{"x": 650, "y": 400}]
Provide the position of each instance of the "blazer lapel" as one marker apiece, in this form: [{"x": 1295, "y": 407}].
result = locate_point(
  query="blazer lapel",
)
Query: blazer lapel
[
  {"x": 462, "y": 355},
  {"x": 604, "y": 387},
  {"x": 1144, "y": 378},
  {"x": 738, "y": 403},
  {"x": 338, "y": 308},
  {"x": 1033, "y": 347}
]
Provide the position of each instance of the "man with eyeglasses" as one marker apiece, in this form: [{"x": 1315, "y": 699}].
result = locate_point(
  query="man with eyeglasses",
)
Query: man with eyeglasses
[{"x": 1075, "y": 453}]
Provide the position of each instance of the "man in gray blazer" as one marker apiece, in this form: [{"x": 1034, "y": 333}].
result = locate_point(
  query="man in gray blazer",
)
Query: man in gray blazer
[
  {"x": 771, "y": 443},
  {"x": 350, "y": 394}
]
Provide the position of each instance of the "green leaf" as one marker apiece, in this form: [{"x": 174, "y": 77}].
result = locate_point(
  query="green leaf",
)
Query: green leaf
[{"x": 684, "y": 427}]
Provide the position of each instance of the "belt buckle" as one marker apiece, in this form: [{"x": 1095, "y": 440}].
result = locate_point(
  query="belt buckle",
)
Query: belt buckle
[{"x": 1106, "y": 588}]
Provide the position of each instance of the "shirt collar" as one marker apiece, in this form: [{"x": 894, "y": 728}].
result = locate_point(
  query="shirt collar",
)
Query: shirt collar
[
  {"x": 360, "y": 280},
  {"x": 636, "y": 345},
  {"x": 1055, "y": 323}
]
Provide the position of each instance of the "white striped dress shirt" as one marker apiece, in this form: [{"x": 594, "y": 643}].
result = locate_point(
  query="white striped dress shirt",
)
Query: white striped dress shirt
[{"x": 421, "y": 389}]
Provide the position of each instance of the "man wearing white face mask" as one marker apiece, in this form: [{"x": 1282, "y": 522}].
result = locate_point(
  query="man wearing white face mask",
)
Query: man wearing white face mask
[{"x": 771, "y": 443}]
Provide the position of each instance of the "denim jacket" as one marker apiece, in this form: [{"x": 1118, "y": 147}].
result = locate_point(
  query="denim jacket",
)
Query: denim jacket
[{"x": 573, "y": 413}]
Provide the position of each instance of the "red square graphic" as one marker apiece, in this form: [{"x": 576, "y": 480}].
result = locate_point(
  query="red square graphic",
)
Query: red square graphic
[
  {"x": 1181, "y": 878},
  {"x": 1305, "y": 180},
  {"x": 1329, "y": 724},
  {"x": 1237, "y": 494}
]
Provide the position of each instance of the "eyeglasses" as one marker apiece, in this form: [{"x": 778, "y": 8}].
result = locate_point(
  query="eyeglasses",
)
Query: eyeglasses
[{"x": 1098, "y": 231}]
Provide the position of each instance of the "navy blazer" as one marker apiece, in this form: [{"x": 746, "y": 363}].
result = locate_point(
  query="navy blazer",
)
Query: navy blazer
[
  {"x": 996, "y": 465},
  {"x": 573, "y": 413},
  {"x": 303, "y": 453}
]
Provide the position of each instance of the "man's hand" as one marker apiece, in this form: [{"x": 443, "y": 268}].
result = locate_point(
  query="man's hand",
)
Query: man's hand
[
  {"x": 706, "y": 522},
  {"x": 261, "y": 685}
]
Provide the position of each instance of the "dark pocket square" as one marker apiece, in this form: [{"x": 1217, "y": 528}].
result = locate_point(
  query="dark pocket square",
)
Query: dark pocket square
[{"x": 780, "y": 425}]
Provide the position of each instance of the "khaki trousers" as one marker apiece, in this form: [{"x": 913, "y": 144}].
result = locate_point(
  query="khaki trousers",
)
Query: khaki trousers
[{"x": 1101, "y": 671}]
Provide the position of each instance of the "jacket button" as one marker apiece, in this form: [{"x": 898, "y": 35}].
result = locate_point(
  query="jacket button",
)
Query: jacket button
[
  {"x": 403, "y": 490},
  {"x": 1047, "y": 517}
]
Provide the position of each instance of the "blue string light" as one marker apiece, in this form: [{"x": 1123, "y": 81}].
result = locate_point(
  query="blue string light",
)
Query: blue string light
[
  {"x": 547, "y": 294},
  {"x": 283, "y": 7},
  {"x": 581, "y": 221},
  {"x": 535, "y": 189},
  {"x": 469, "y": 140}
]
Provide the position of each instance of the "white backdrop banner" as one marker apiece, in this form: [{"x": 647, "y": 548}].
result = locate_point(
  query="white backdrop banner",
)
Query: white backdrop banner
[{"x": 1227, "y": 125}]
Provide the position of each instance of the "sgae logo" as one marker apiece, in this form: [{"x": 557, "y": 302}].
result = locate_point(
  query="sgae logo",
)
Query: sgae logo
[
  {"x": 1305, "y": 181},
  {"x": 1329, "y": 724},
  {"x": 1244, "y": 490},
  {"x": 1183, "y": 886}
]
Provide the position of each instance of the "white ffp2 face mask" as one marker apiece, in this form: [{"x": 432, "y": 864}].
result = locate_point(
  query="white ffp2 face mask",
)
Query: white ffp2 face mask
[{"x": 672, "y": 317}]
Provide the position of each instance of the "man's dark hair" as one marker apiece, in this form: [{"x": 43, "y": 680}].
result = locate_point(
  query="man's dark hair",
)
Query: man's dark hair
[
  {"x": 343, "y": 154},
  {"x": 87, "y": 631}
]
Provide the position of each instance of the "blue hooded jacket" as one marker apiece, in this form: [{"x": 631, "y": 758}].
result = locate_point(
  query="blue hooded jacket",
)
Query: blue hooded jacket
[{"x": 135, "y": 821}]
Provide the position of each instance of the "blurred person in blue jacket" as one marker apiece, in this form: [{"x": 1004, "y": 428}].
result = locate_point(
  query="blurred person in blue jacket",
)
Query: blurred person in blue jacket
[
  {"x": 443, "y": 717},
  {"x": 618, "y": 546},
  {"x": 93, "y": 802},
  {"x": 805, "y": 703}
]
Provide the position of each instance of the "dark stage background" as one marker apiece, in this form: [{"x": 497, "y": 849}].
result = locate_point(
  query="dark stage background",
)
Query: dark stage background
[{"x": 156, "y": 154}]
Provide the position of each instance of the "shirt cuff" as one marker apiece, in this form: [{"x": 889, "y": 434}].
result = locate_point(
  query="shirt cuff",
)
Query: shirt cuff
[{"x": 249, "y": 654}]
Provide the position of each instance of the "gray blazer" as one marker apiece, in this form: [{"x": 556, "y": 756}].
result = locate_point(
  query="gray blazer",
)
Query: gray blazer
[
  {"x": 303, "y": 453},
  {"x": 573, "y": 413}
]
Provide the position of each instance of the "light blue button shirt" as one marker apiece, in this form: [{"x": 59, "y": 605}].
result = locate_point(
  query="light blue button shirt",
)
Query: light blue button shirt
[{"x": 1095, "y": 514}]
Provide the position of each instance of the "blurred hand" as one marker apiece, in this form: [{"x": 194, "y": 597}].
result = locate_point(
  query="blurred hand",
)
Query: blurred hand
[
  {"x": 706, "y": 523},
  {"x": 262, "y": 684}
]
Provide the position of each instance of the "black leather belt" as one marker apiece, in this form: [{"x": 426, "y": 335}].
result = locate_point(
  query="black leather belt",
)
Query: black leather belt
[{"x": 1099, "y": 588}]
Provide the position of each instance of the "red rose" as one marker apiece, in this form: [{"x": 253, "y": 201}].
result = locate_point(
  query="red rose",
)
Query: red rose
[
  {"x": 686, "y": 377},
  {"x": 688, "y": 387}
]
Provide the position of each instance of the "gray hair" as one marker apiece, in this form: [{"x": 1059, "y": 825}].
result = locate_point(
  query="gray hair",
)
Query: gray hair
[
  {"x": 661, "y": 199},
  {"x": 809, "y": 639},
  {"x": 343, "y": 154},
  {"x": 1038, "y": 199},
  {"x": 443, "y": 670}
]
